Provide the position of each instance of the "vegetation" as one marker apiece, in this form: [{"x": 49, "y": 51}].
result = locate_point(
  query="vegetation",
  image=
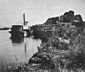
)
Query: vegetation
[
  {"x": 62, "y": 48},
  {"x": 65, "y": 46}
]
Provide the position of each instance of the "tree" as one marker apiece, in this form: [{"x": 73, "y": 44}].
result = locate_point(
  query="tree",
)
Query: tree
[{"x": 78, "y": 18}]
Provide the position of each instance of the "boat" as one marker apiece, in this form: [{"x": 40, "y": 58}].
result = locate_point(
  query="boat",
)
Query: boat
[{"x": 19, "y": 30}]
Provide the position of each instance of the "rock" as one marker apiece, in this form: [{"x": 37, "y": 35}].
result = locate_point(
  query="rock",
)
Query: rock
[
  {"x": 42, "y": 60},
  {"x": 52, "y": 20}
]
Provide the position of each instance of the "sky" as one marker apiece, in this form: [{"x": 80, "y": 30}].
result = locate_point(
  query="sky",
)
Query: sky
[{"x": 37, "y": 11}]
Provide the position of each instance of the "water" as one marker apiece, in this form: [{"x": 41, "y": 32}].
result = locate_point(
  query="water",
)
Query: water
[{"x": 16, "y": 52}]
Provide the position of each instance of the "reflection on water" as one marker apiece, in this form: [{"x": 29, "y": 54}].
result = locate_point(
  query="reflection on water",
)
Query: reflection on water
[
  {"x": 16, "y": 40},
  {"x": 12, "y": 50}
]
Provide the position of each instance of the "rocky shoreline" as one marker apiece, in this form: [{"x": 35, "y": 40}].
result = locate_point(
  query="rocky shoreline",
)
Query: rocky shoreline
[{"x": 62, "y": 48}]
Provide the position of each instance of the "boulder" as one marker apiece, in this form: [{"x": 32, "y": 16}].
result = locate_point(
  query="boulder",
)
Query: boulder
[{"x": 43, "y": 61}]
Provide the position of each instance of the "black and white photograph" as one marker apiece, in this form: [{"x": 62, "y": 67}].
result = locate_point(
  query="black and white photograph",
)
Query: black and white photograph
[{"x": 42, "y": 35}]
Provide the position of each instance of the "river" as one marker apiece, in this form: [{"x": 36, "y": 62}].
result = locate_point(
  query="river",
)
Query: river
[{"x": 18, "y": 51}]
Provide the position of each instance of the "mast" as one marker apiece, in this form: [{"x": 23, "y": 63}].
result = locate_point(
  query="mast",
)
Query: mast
[
  {"x": 24, "y": 21},
  {"x": 24, "y": 18}
]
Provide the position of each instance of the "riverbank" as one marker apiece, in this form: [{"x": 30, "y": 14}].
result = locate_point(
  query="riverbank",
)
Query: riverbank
[{"x": 62, "y": 47}]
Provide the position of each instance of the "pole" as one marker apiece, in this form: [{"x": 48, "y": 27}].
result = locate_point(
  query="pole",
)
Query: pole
[{"x": 24, "y": 18}]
